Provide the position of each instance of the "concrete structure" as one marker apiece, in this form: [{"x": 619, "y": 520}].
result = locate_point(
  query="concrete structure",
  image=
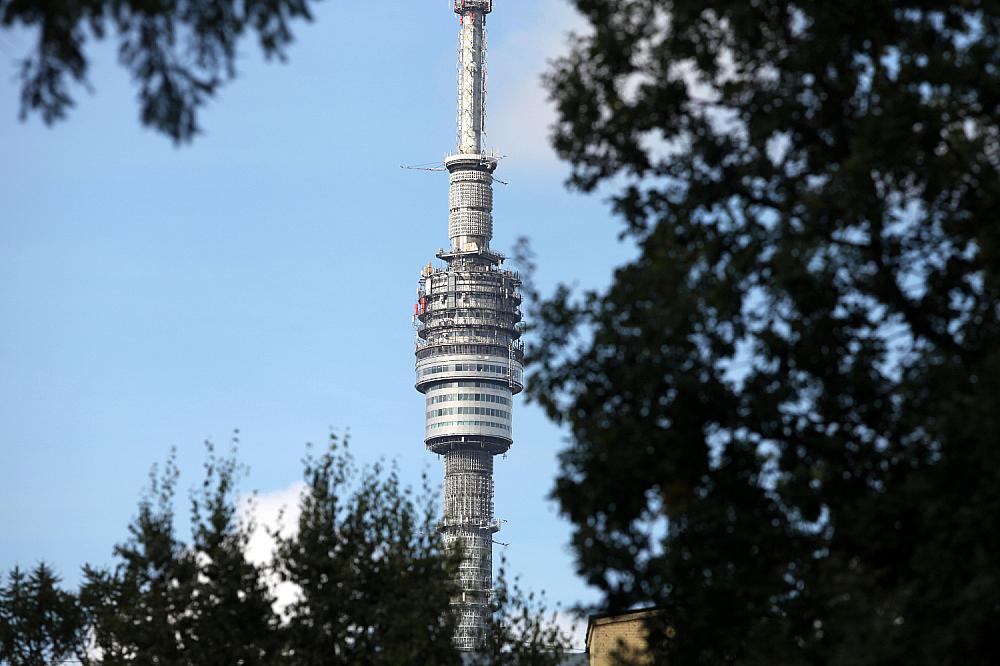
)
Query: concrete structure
[
  {"x": 611, "y": 638},
  {"x": 469, "y": 358}
]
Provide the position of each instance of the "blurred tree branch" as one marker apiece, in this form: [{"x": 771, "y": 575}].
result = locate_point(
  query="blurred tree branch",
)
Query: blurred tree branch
[{"x": 178, "y": 52}]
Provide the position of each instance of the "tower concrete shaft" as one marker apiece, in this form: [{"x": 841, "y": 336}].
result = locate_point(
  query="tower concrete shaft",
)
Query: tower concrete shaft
[{"x": 469, "y": 356}]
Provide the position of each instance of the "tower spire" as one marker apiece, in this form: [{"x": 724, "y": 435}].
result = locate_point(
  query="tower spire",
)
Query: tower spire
[
  {"x": 472, "y": 74},
  {"x": 469, "y": 356},
  {"x": 470, "y": 224}
]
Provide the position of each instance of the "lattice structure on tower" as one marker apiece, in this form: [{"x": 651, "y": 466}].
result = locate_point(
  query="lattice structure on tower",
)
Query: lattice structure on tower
[{"x": 469, "y": 356}]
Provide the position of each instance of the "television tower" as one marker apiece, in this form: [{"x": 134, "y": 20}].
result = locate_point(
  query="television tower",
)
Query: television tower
[{"x": 469, "y": 358}]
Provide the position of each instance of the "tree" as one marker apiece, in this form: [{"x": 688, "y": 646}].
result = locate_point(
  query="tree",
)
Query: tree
[
  {"x": 137, "y": 611},
  {"x": 522, "y": 631},
  {"x": 231, "y": 606},
  {"x": 783, "y": 412},
  {"x": 373, "y": 579},
  {"x": 167, "y": 601},
  {"x": 40, "y": 623},
  {"x": 178, "y": 52}
]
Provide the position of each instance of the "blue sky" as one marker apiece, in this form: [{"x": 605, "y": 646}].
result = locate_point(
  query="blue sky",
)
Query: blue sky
[{"x": 263, "y": 277}]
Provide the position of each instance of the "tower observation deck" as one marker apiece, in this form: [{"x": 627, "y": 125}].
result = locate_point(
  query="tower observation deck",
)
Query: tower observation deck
[{"x": 469, "y": 357}]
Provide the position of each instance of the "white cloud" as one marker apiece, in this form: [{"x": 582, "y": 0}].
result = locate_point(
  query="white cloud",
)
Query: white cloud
[
  {"x": 267, "y": 512},
  {"x": 520, "y": 114}
]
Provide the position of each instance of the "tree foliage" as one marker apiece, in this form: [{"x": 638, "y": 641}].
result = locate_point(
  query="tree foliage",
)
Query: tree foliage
[
  {"x": 178, "y": 52},
  {"x": 364, "y": 573},
  {"x": 372, "y": 576},
  {"x": 231, "y": 603},
  {"x": 137, "y": 608},
  {"x": 39, "y": 621},
  {"x": 522, "y": 630},
  {"x": 783, "y": 412},
  {"x": 167, "y": 601}
]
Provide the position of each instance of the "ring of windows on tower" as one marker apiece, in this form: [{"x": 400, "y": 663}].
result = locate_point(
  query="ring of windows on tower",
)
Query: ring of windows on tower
[
  {"x": 469, "y": 397},
  {"x": 464, "y": 367},
  {"x": 479, "y": 411},
  {"x": 476, "y": 424},
  {"x": 446, "y": 348},
  {"x": 440, "y": 386}
]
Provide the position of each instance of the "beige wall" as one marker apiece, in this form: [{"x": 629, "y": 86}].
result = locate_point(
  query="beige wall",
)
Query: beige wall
[{"x": 623, "y": 635}]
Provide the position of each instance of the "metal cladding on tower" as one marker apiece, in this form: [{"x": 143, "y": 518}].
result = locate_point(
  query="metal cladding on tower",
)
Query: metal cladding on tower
[{"x": 469, "y": 357}]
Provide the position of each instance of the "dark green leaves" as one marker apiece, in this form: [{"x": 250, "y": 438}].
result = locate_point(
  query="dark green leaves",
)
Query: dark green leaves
[
  {"x": 167, "y": 601},
  {"x": 179, "y": 52},
  {"x": 40, "y": 624},
  {"x": 772, "y": 408},
  {"x": 363, "y": 572},
  {"x": 372, "y": 577}
]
